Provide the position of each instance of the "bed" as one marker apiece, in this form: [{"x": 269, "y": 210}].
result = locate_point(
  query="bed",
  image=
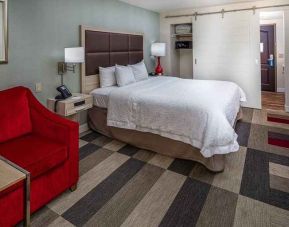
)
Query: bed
[{"x": 188, "y": 119}]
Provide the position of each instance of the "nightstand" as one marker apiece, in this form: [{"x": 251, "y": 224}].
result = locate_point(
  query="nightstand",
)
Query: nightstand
[{"x": 71, "y": 107}]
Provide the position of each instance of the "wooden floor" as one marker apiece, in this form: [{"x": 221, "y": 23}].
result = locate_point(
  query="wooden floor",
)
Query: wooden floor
[{"x": 273, "y": 100}]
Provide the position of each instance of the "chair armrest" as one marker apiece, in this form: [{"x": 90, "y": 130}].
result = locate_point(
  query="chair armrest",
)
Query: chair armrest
[{"x": 50, "y": 125}]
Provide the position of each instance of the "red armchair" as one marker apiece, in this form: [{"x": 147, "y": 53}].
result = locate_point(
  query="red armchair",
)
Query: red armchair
[{"x": 41, "y": 142}]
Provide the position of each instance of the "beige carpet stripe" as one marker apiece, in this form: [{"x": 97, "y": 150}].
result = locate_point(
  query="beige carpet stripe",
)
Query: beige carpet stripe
[
  {"x": 60, "y": 221},
  {"x": 122, "y": 204},
  {"x": 279, "y": 170},
  {"x": 43, "y": 218},
  {"x": 152, "y": 208},
  {"x": 82, "y": 143},
  {"x": 279, "y": 183},
  {"x": 88, "y": 181},
  {"x": 219, "y": 208},
  {"x": 114, "y": 145},
  {"x": 144, "y": 155},
  {"x": 253, "y": 213},
  {"x": 231, "y": 178},
  {"x": 161, "y": 161},
  {"x": 93, "y": 160}
]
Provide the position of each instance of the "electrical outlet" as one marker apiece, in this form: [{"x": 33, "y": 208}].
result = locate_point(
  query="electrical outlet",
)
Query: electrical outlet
[{"x": 38, "y": 87}]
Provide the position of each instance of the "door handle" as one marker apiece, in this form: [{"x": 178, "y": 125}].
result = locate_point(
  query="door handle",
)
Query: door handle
[{"x": 271, "y": 60}]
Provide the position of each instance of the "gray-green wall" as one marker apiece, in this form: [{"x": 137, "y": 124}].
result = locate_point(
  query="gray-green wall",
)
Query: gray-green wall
[{"x": 39, "y": 30}]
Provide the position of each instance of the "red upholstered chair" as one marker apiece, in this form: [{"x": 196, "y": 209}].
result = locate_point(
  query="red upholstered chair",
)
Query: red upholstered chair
[{"x": 41, "y": 142}]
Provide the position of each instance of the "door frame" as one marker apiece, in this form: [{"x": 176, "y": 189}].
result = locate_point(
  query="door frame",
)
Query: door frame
[{"x": 275, "y": 52}]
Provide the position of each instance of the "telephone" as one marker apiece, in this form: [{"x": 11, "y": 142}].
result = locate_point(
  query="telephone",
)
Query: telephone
[{"x": 64, "y": 93}]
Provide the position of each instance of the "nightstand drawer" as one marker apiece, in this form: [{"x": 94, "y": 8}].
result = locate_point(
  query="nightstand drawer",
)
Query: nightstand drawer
[
  {"x": 75, "y": 109},
  {"x": 71, "y": 106}
]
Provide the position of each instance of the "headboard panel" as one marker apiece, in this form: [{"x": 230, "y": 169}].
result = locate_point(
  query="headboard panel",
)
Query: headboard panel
[{"x": 104, "y": 49}]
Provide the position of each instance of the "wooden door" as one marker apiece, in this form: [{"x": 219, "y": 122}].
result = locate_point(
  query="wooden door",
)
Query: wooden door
[{"x": 267, "y": 48}]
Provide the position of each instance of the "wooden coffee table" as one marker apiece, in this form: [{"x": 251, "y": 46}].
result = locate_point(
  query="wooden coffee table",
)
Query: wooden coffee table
[{"x": 11, "y": 174}]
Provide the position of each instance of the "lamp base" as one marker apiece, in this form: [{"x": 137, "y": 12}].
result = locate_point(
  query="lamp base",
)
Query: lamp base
[
  {"x": 64, "y": 67},
  {"x": 159, "y": 69},
  {"x": 61, "y": 66}
]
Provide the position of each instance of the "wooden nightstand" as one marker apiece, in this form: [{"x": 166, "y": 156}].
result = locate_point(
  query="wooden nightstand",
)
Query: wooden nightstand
[{"x": 71, "y": 107}]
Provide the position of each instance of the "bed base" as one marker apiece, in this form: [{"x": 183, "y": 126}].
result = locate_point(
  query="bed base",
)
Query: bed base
[{"x": 97, "y": 118}]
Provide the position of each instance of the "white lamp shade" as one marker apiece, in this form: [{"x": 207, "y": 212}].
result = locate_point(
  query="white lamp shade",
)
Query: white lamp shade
[
  {"x": 74, "y": 55},
  {"x": 158, "y": 49}
]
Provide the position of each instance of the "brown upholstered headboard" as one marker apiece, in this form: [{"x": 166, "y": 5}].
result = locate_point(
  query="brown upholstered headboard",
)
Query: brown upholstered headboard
[{"x": 107, "y": 48}]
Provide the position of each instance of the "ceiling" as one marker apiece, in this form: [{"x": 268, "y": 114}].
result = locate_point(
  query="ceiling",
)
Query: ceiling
[{"x": 168, "y": 5}]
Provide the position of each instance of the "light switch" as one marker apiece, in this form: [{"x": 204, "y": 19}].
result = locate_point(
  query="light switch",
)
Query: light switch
[{"x": 38, "y": 87}]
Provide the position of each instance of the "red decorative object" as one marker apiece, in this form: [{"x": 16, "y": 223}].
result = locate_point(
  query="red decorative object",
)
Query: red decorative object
[
  {"x": 278, "y": 142},
  {"x": 41, "y": 142},
  {"x": 159, "y": 69},
  {"x": 278, "y": 120}
]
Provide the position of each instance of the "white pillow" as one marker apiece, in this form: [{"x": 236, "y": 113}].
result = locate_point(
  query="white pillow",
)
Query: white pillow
[
  {"x": 107, "y": 76},
  {"x": 140, "y": 71},
  {"x": 124, "y": 75}
]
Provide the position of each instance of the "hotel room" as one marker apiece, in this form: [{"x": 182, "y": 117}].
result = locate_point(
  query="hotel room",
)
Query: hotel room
[{"x": 144, "y": 113}]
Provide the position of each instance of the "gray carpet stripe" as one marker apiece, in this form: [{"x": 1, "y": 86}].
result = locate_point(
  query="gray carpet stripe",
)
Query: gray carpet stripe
[
  {"x": 93, "y": 160},
  {"x": 114, "y": 212},
  {"x": 90, "y": 136},
  {"x": 87, "y": 206},
  {"x": 153, "y": 207},
  {"x": 87, "y": 150},
  {"x": 187, "y": 206},
  {"x": 88, "y": 181},
  {"x": 219, "y": 208},
  {"x": 182, "y": 166}
]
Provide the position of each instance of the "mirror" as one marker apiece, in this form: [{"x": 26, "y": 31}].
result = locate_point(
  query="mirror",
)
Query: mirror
[{"x": 3, "y": 32}]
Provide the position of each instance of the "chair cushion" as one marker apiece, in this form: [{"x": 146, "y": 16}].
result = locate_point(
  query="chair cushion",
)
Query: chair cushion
[
  {"x": 34, "y": 153},
  {"x": 14, "y": 115}
]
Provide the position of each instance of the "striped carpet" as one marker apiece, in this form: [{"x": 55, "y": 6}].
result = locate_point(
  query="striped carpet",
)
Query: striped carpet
[{"x": 121, "y": 185}]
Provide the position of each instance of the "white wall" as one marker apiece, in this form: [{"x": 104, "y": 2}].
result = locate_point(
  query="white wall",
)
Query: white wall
[
  {"x": 2, "y": 45},
  {"x": 186, "y": 63},
  {"x": 286, "y": 29},
  {"x": 280, "y": 50}
]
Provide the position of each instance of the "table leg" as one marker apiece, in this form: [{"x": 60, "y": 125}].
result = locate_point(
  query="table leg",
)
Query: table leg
[{"x": 27, "y": 201}]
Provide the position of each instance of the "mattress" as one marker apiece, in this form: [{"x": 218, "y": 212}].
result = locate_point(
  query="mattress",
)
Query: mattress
[{"x": 101, "y": 96}]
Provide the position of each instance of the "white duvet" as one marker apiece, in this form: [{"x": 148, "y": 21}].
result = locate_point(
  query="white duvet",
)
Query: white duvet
[{"x": 197, "y": 112}]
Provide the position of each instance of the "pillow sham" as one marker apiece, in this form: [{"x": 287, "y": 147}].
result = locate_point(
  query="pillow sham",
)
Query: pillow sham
[
  {"x": 107, "y": 76},
  {"x": 124, "y": 75},
  {"x": 140, "y": 71}
]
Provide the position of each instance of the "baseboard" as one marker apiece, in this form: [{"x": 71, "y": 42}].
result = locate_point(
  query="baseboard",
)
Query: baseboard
[
  {"x": 83, "y": 128},
  {"x": 280, "y": 89}
]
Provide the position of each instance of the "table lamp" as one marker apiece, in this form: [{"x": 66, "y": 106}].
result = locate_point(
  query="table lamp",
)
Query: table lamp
[{"x": 158, "y": 50}]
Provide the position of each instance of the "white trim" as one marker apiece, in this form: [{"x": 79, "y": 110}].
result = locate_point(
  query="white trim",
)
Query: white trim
[
  {"x": 281, "y": 89},
  {"x": 83, "y": 128},
  {"x": 286, "y": 108}
]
